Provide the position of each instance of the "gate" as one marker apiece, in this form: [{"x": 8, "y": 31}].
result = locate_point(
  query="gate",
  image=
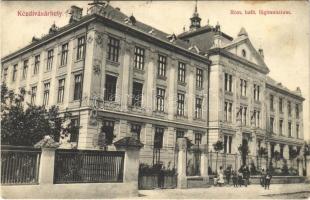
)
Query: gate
[{"x": 193, "y": 159}]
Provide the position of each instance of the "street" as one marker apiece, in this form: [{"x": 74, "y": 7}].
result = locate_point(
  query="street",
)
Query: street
[{"x": 276, "y": 191}]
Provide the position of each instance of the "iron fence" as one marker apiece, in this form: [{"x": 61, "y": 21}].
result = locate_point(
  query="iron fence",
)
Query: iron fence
[
  {"x": 19, "y": 165},
  {"x": 88, "y": 166}
]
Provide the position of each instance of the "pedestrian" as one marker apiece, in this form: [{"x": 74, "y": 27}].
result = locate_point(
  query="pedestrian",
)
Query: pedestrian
[
  {"x": 235, "y": 178},
  {"x": 240, "y": 181},
  {"x": 262, "y": 177},
  {"x": 228, "y": 174},
  {"x": 268, "y": 179},
  {"x": 246, "y": 175},
  {"x": 221, "y": 176}
]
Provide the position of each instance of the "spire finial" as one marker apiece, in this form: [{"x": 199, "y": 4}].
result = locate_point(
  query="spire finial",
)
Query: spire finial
[
  {"x": 195, "y": 19},
  {"x": 196, "y": 10}
]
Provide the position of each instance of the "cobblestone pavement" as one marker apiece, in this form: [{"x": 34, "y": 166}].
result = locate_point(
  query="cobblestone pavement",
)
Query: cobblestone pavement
[{"x": 276, "y": 191}]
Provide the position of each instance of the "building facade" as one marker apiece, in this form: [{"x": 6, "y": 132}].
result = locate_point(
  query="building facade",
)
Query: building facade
[{"x": 119, "y": 78}]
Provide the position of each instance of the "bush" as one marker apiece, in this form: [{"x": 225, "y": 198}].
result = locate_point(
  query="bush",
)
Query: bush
[{"x": 285, "y": 169}]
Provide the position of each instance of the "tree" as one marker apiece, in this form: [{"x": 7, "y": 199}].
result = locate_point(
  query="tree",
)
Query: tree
[
  {"x": 24, "y": 124},
  {"x": 218, "y": 146}
]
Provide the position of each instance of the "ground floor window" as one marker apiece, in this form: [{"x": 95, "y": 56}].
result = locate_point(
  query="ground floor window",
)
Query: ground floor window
[
  {"x": 227, "y": 143},
  {"x": 107, "y": 133}
]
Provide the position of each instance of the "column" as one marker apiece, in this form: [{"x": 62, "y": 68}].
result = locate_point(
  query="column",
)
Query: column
[
  {"x": 182, "y": 144},
  {"x": 204, "y": 163},
  {"x": 132, "y": 147},
  {"x": 191, "y": 94},
  {"x": 308, "y": 167},
  {"x": 150, "y": 86}
]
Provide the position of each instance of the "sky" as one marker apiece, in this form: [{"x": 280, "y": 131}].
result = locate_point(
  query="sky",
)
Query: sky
[{"x": 284, "y": 38}]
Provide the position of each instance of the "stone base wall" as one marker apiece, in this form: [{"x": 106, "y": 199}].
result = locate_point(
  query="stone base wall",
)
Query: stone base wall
[{"x": 279, "y": 179}]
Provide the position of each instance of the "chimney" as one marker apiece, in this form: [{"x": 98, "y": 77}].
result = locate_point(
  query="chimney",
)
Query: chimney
[
  {"x": 261, "y": 53},
  {"x": 117, "y": 8},
  {"x": 76, "y": 14}
]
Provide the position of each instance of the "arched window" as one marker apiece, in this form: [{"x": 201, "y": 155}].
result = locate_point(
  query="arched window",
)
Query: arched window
[{"x": 243, "y": 53}]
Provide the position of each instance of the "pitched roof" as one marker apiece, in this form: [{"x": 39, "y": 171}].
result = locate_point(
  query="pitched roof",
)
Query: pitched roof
[{"x": 270, "y": 81}]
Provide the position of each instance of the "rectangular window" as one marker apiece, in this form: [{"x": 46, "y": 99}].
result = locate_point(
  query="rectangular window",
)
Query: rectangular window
[
  {"x": 158, "y": 138},
  {"x": 107, "y": 133},
  {"x": 110, "y": 88},
  {"x": 271, "y": 102},
  {"x": 243, "y": 87},
  {"x": 198, "y": 108},
  {"x": 271, "y": 124},
  {"x": 25, "y": 69},
  {"x": 50, "y": 56},
  {"x": 256, "y": 92},
  {"x": 135, "y": 131},
  {"x": 137, "y": 94},
  {"x": 228, "y": 111},
  {"x": 14, "y": 72},
  {"x": 180, "y": 107},
  {"x": 228, "y": 82},
  {"x": 160, "y": 99},
  {"x": 77, "y": 87},
  {"x": 46, "y": 93},
  {"x": 297, "y": 130},
  {"x": 297, "y": 111},
  {"x": 5, "y": 74},
  {"x": 289, "y": 129},
  {"x": 64, "y": 54},
  {"x": 162, "y": 64},
  {"x": 113, "y": 49},
  {"x": 180, "y": 134},
  {"x": 257, "y": 119},
  {"x": 227, "y": 143},
  {"x": 74, "y": 135},
  {"x": 33, "y": 95},
  {"x": 280, "y": 105},
  {"x": 181, "y": 72},
  {"x": 139, "y": 58},
  {"x": 80, "y": 48},
  {"x": 289, "y": 108},
  {"x": 36, "y": 64},
  {"x": 61, "y": 90},
  {"x": 199, "y": 78},
  {"x": 198, "y": 138},
  {"x": 281, "y": 127}
]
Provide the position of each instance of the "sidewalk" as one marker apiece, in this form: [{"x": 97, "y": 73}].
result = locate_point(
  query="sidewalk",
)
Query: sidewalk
[{"x": 276, "y": 191}]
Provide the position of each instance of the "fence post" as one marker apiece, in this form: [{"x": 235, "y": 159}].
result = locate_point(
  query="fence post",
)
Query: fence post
[
  {"x": 308, "y": 167},
  {"x": 204, "y": 164},
  {"x": 300, "y": 167},
  {"x": 182, "y": 146},
  {"x": 47, "y": 160},
  {"x": 132, "y": 147}
]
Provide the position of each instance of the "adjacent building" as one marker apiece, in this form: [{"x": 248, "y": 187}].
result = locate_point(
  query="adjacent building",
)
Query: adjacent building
[{"x": 120, "y": 77}]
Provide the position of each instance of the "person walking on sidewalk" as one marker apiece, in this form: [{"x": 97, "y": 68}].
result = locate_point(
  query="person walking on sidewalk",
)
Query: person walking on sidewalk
[
  {"x": 228, "y": 173},
  {"x": 268, "y": 179}
]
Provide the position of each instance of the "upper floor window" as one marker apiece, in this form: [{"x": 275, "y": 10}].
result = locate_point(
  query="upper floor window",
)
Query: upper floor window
[
  {"x": 297, "y": 110},
  {"x": 256, "y": 118},
  {"x": 36, "y": 64},
  {"x": 271, "y": 102},
  {"x": 199, "y": 78},
  {"x": 5, "y": 74},
  {"x": 77, "y": 95},
  {"x": 74, "y": 135},
  {"x": 228, "y": 111},
  {"x": 289, "y": 108},
  {"x": 290, "y": 129},
  {"x": 160, "y": 99},
  {"x": 108, "y": 130},
  {"x": 297, "y": 130},
  {"x": 198, "y": 138},
  {"x": 280, "y": 105},
  {"x": 243, "y": 53},
  {"x": 135, "y": 131},
  {"x": 243, "y": 87},
  {"x": 158, "y": 138},
  {"x": 33, "y": 95},
  {"x": 80, "y": 48},
  {"x": 46, "y": 93},
  {"x": 113, "y": 49},
  {"x": 139, "y": 58},
  {"x": 61, "y": 90},
  {"x": 14, "y": 72},
  {"x": 228, "y": 82},
  {"x": 281, "y": 127},
  {"x": 110, "y": 88},
  {"x": 181, "y": 72},
  {"x": 162, "y": 64},
  {"x": 64, "y": 54},
  {"x": 227, "y": 143},
  {"x": 271, "y": 125},
  {"x": 25, "y": 69},
  {"x": 50, "y": 55},
  {"x": 198, "y": 108},
  {"x": 180, "y": 106},
  {"x": 256, "y": 92},
  {"x": 137, "y": 94}
]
